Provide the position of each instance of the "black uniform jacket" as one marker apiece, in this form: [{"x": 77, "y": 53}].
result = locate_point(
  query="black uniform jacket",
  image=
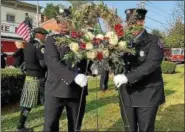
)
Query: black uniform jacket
[
  {"x": 145, "y": 86},
  {"x": 61, "y": 74},
  {"x": 34, "y": 58},
  {"x": 19, "y": 57}
]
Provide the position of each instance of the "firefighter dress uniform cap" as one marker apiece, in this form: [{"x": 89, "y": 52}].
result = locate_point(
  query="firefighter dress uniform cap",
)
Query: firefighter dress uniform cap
[
  {"x": 40, "y": 31},
  {"x": 64, "y": 14},
  {"x": 135, "y": 14}
]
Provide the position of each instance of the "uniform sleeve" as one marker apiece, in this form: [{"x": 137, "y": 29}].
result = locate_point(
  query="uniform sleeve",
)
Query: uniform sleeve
[
  {"x": 40, "y": 56},
  {"x": 53, "y": 62},
  {"x": 16, "y": 53},
  {"x": 152, "y": 62}
]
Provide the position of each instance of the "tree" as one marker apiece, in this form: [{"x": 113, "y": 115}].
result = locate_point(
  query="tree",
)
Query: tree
[
  {"x": 77, "y": 4},
  {"x": 179, "y": 9},
  {"x": 175, "y": 30},
  {"x": 175, "y": 37},
  {"x": 157, "y": 33},
  {"x": 50, "y": 10}
]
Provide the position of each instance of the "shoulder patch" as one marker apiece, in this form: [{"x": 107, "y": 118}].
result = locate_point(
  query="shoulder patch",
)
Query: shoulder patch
[{"x": 160, "y": 43}]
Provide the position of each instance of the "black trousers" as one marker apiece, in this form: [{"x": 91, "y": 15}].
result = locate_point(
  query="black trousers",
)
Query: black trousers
[
  {"x": 54, "y": 107},
  {"x": 140, "y": 119},
  {"x": 41, "y": 98},
  {"x": 104, "y": 78}
]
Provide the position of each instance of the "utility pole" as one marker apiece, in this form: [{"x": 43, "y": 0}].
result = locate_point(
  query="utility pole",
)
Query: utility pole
[
  {"x": 37, "y": 13},
  {"x": 142, "y": 4}
]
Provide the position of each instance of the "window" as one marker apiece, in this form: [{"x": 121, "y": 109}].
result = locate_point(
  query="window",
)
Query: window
[
  {"x": 10, "y": 18},
  {"x": 176, "y": 52}
]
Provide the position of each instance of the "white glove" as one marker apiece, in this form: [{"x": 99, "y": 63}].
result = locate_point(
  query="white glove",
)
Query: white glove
[
  {"x": 95, "y": 69},
  {"x": 81, "y": 80},
  {"x": 120, "y": 79}
]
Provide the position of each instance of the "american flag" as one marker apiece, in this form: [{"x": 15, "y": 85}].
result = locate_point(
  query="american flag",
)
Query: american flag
[{"x": 24, "y": 31}]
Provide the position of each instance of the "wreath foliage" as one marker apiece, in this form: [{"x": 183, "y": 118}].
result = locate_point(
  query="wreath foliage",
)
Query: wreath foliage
[{"x": 87, "y": 16}]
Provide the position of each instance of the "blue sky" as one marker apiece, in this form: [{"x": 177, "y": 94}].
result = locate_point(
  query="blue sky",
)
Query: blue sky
[{"x": 158, "y": 11}]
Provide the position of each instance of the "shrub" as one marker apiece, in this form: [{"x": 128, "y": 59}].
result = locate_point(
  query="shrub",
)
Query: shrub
[
  {"x": 168, "y": 67},
  {"x": 12, "y": 81}
]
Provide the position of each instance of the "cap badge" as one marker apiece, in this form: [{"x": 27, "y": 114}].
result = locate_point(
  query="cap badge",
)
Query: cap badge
[
  {"x": 128, "y": 12},
  {"x": 142, "y": 53}
]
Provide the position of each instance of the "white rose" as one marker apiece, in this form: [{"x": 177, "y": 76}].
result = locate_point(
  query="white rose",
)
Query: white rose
[
  {"x": 110, "y": 34},
  {"x": 100, "y": 36},
  {"x": 89, "y": 35},
  {"x": 91, "y": 54},
  {"x": 122, "y": 44},
  {"x": 113, "y": 41},
  {"x": 74, "y": 46},
  {"x": 89, "y": 46},
  {"x": 113, "y": 38},
  {"x": 106, "y": 53}
]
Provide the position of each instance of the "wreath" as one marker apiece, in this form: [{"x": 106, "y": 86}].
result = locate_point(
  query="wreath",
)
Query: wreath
[
  {"x": 108, "y": 47},
  {"x": 88, "y": 15}
]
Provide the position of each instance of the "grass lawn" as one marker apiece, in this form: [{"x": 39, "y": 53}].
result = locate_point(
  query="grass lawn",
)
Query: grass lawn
[{"x": 102, "y": 110}]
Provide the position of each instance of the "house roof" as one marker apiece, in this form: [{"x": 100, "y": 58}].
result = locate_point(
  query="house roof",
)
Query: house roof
[
  {"x": 51, "y": 24},
  {"x": 16, "y": 2}
]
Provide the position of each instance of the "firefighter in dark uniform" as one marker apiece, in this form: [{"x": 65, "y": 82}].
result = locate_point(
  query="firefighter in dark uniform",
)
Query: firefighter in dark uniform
[
  {"x": 104, "y": 79},
  {"x": 40, "y": 45},
  {"x": 35, "y": 70},
  {"x": 64, "y": 83},
  {"x": 141, "y": 86}
]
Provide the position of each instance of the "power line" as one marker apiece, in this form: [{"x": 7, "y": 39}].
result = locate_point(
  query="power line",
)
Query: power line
[
  {"x": 154, "y": 12},
  {"x": 156, "y": 20},
  {"x": 158, "y": 7}
]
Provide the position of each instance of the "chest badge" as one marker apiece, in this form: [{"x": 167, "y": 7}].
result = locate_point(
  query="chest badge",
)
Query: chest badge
[
  {"x": 142, "y": 53},
  {"x": 42, "y": 50}
]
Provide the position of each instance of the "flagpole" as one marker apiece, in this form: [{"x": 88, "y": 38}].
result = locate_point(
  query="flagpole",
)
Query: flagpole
[{"x": 37, "y": 13}]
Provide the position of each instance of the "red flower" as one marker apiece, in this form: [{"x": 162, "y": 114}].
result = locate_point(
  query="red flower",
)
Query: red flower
[
  {"x": 74, "y": 34},
  {"x": 97, "y": 40},
  {"x": 119, "y": 30},
  {"x": 100, "y": 56},
  {"x": 82, "y": 45}
]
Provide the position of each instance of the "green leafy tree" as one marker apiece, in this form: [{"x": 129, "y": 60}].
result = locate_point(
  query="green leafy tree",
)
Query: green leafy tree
[
  {"x": 175, "y": 27},
  {"x": 50, "y": 10},
  {"x": 175, "y": 36},
  {"x": 157, "y": 33},
  {"x": 77, "y": 4}
]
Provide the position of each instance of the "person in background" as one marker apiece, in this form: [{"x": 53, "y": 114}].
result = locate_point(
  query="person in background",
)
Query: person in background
[
  {"x": 35, "y": 70},
  {"x": 3, "y": 60},
  {"x": 19, "y": 54},
  {"x": 104, "y": 78}
]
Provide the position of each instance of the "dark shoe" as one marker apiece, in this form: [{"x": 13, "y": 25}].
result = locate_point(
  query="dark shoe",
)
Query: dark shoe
[{"x": 25, "y": 130}]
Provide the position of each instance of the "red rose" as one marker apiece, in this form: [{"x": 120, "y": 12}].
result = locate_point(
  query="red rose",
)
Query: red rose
[
  {"x": 99, "y": 56},
  {"x": 82, "y": 46},
  {"x": 119, "y": 30},
  {"x": 97, "y": 40},
  {"x": 118, "y": 27},
  {"x": 74, "y": 34},
  {"x": 120, "y": 33}
]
